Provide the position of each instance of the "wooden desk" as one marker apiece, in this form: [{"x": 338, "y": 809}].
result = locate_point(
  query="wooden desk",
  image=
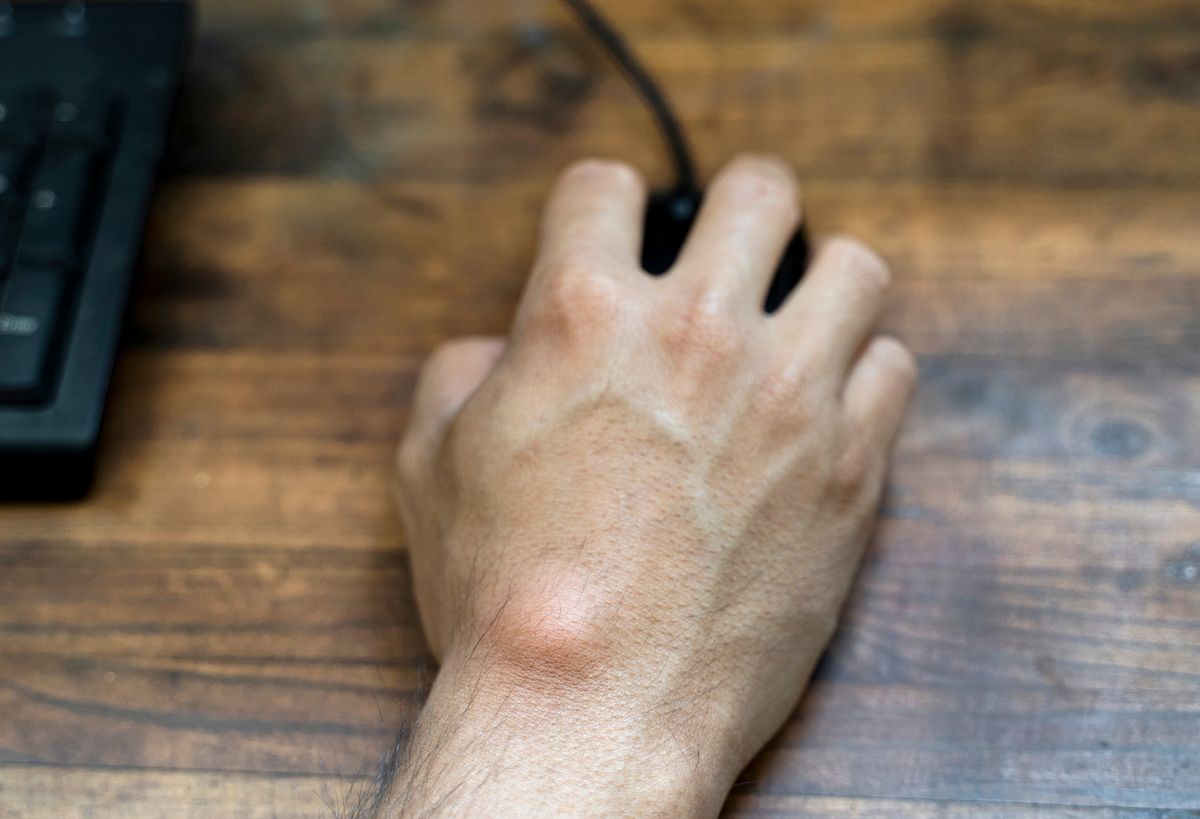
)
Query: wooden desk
[{"x": 225, "y": 628}]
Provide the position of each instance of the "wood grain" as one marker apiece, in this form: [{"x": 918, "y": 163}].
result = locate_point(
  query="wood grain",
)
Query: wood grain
[
  {"x": 1073, "y": 108},
  {"x": 225, "y": 628},
  {"x": 169, "y": 794}
]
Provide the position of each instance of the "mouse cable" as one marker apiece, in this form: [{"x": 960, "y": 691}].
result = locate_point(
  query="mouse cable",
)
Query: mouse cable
[{"x": 647, "y": 88}]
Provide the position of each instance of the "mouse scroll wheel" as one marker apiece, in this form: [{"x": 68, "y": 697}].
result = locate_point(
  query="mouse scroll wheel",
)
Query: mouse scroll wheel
[{"x": 683, "y": 208}]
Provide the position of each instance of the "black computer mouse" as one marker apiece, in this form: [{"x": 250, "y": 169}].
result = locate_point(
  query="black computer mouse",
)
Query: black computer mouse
[{"x": 669, "y": 219}]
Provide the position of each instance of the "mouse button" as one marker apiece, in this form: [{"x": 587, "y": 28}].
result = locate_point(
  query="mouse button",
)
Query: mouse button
[
  {"x": 791, "y": 270},
  {"x": 669, "y": 218}
]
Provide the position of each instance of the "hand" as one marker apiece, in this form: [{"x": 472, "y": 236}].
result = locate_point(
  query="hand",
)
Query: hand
[{"x": 632, "y": 524}]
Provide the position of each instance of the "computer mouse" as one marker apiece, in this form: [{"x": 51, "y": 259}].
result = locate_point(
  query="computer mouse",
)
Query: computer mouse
[{"x": 669, "y": 219}]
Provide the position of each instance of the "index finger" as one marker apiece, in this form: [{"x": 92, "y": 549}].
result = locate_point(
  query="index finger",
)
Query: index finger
[{"x": 595, "y": 213}]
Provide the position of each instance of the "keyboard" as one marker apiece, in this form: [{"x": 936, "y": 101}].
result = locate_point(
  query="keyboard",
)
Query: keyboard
[{"x": 86, "y": 92}]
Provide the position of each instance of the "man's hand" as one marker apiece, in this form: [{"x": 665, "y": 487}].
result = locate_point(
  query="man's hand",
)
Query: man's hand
[{"x": 633, "y": 523}]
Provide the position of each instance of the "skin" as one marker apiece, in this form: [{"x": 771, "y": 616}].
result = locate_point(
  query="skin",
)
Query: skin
[{"x": 633, "y": 522}]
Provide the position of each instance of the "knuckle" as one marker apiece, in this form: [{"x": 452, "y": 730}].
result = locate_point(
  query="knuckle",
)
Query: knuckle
[
  {"x": 707, "y": 327},
  {"x": 850, "y": 475},
  {"x": 588, "y": 291},
  {"x": 784, "y": 394},
  {"x": 580, "y": 295}
]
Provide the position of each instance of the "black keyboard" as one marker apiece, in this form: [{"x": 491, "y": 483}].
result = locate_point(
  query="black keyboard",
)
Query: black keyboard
[{"x": 86, "y": 91}]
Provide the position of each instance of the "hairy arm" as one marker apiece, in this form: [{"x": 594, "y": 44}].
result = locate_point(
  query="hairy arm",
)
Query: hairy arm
[{"x": 485, "y": 743}]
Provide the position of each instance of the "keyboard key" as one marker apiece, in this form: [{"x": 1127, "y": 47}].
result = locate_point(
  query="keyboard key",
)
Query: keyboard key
[
  {"x": 80, "y": 120},
  {"x": 20, "y": 121},
  {"x": 12, "y": 164},
  {"x": 57, "y": 204},
  {"x": 30, "y": 307},
  {"x": 8, "y": 241}
]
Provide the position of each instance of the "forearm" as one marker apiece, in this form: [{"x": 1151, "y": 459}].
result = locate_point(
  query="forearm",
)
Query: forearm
[{"x": 486, "y": 742}]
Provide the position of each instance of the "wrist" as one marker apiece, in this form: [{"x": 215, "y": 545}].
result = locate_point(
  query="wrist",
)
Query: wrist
[
  {"x": 536, "y": 714},
  {"x": 570, "y": 748}
]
